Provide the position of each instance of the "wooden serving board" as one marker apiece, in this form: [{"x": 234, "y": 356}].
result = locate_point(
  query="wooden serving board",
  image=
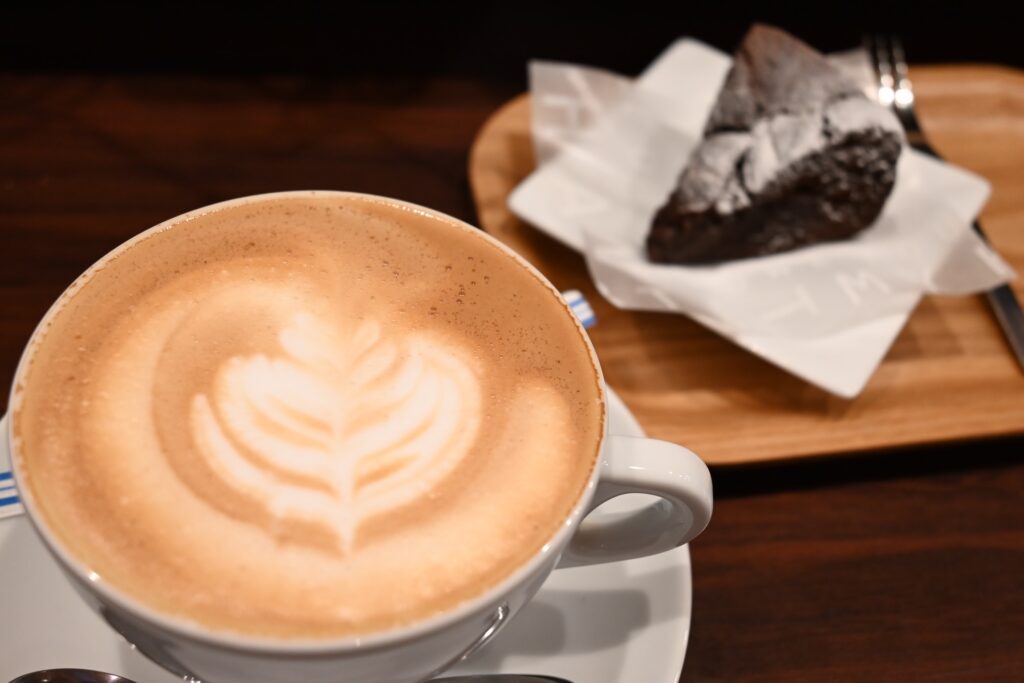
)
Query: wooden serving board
[{"x": 950, "y": 374}]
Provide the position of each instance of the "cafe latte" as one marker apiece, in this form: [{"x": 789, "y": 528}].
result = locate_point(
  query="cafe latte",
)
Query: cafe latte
[{"x": 306, "y": 415}]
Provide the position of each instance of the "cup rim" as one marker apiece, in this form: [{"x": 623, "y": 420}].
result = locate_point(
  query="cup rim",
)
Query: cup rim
[{"x": 194, "y": 630}]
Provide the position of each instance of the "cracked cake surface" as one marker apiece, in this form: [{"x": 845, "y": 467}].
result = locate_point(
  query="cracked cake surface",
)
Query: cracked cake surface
[{"x": 793, "y": 154}]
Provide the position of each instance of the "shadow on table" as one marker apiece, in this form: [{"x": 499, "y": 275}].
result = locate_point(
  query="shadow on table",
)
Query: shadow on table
[{"x": 916, "y": 461}]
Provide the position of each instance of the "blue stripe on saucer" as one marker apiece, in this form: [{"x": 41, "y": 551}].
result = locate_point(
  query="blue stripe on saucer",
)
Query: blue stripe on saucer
[{"x": 580, "y": 307}]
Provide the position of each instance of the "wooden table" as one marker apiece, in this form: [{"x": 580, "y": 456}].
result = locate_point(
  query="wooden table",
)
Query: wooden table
[{"x": 860, "y": 568}]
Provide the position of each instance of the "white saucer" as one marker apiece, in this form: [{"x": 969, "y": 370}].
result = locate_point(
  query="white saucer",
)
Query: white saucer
[{"x": 624, "y": 621}]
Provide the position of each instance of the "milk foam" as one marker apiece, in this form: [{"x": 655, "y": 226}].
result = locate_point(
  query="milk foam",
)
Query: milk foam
[
  {"x": 370, "y": 423},
  {"x": 307, "y": 417}
]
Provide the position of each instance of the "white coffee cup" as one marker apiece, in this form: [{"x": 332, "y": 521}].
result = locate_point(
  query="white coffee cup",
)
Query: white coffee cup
[{"x": 416, "y": 652}]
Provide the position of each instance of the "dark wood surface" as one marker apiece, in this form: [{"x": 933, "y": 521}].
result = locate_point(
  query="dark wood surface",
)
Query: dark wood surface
[{"x": 863, "y": 568}]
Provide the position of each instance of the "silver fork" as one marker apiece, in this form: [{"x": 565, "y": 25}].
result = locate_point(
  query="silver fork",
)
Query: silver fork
[{"x": 896, "y": 91}]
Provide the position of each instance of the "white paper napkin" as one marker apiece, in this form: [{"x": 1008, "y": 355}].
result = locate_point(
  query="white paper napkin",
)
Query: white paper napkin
[{"x": 611, "y": 151}]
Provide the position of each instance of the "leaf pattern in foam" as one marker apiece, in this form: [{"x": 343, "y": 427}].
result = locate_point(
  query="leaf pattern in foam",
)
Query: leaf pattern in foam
[{"x": 338, "y": 428}]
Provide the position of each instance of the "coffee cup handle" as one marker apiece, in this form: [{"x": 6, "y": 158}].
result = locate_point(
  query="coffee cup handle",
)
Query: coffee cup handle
[{"x": 638, "y": 465}]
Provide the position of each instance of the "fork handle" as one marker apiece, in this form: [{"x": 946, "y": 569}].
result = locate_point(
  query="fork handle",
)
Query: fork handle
[
  {"x": 1007, "y": 311},
  {"x": 1006, "y": 308}
]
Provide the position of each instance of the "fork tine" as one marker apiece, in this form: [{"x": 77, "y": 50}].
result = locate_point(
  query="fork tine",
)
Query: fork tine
[
  {"x": 898, "y": 57},
  {"x": 881, "y": 55},
  {"x": 870, "y": 43},
  {"x": 887, "y": 56},
  {"x": 904, "y": 100}
]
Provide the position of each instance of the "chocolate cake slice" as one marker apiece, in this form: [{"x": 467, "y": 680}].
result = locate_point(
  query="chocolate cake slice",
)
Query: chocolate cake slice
[{"x": 793, "y": 154}]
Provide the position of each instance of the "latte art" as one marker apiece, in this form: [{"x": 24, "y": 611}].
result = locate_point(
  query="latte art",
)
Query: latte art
[
  {"x": 307, "y": 416},
  {"x": 339, "y": 427}
]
